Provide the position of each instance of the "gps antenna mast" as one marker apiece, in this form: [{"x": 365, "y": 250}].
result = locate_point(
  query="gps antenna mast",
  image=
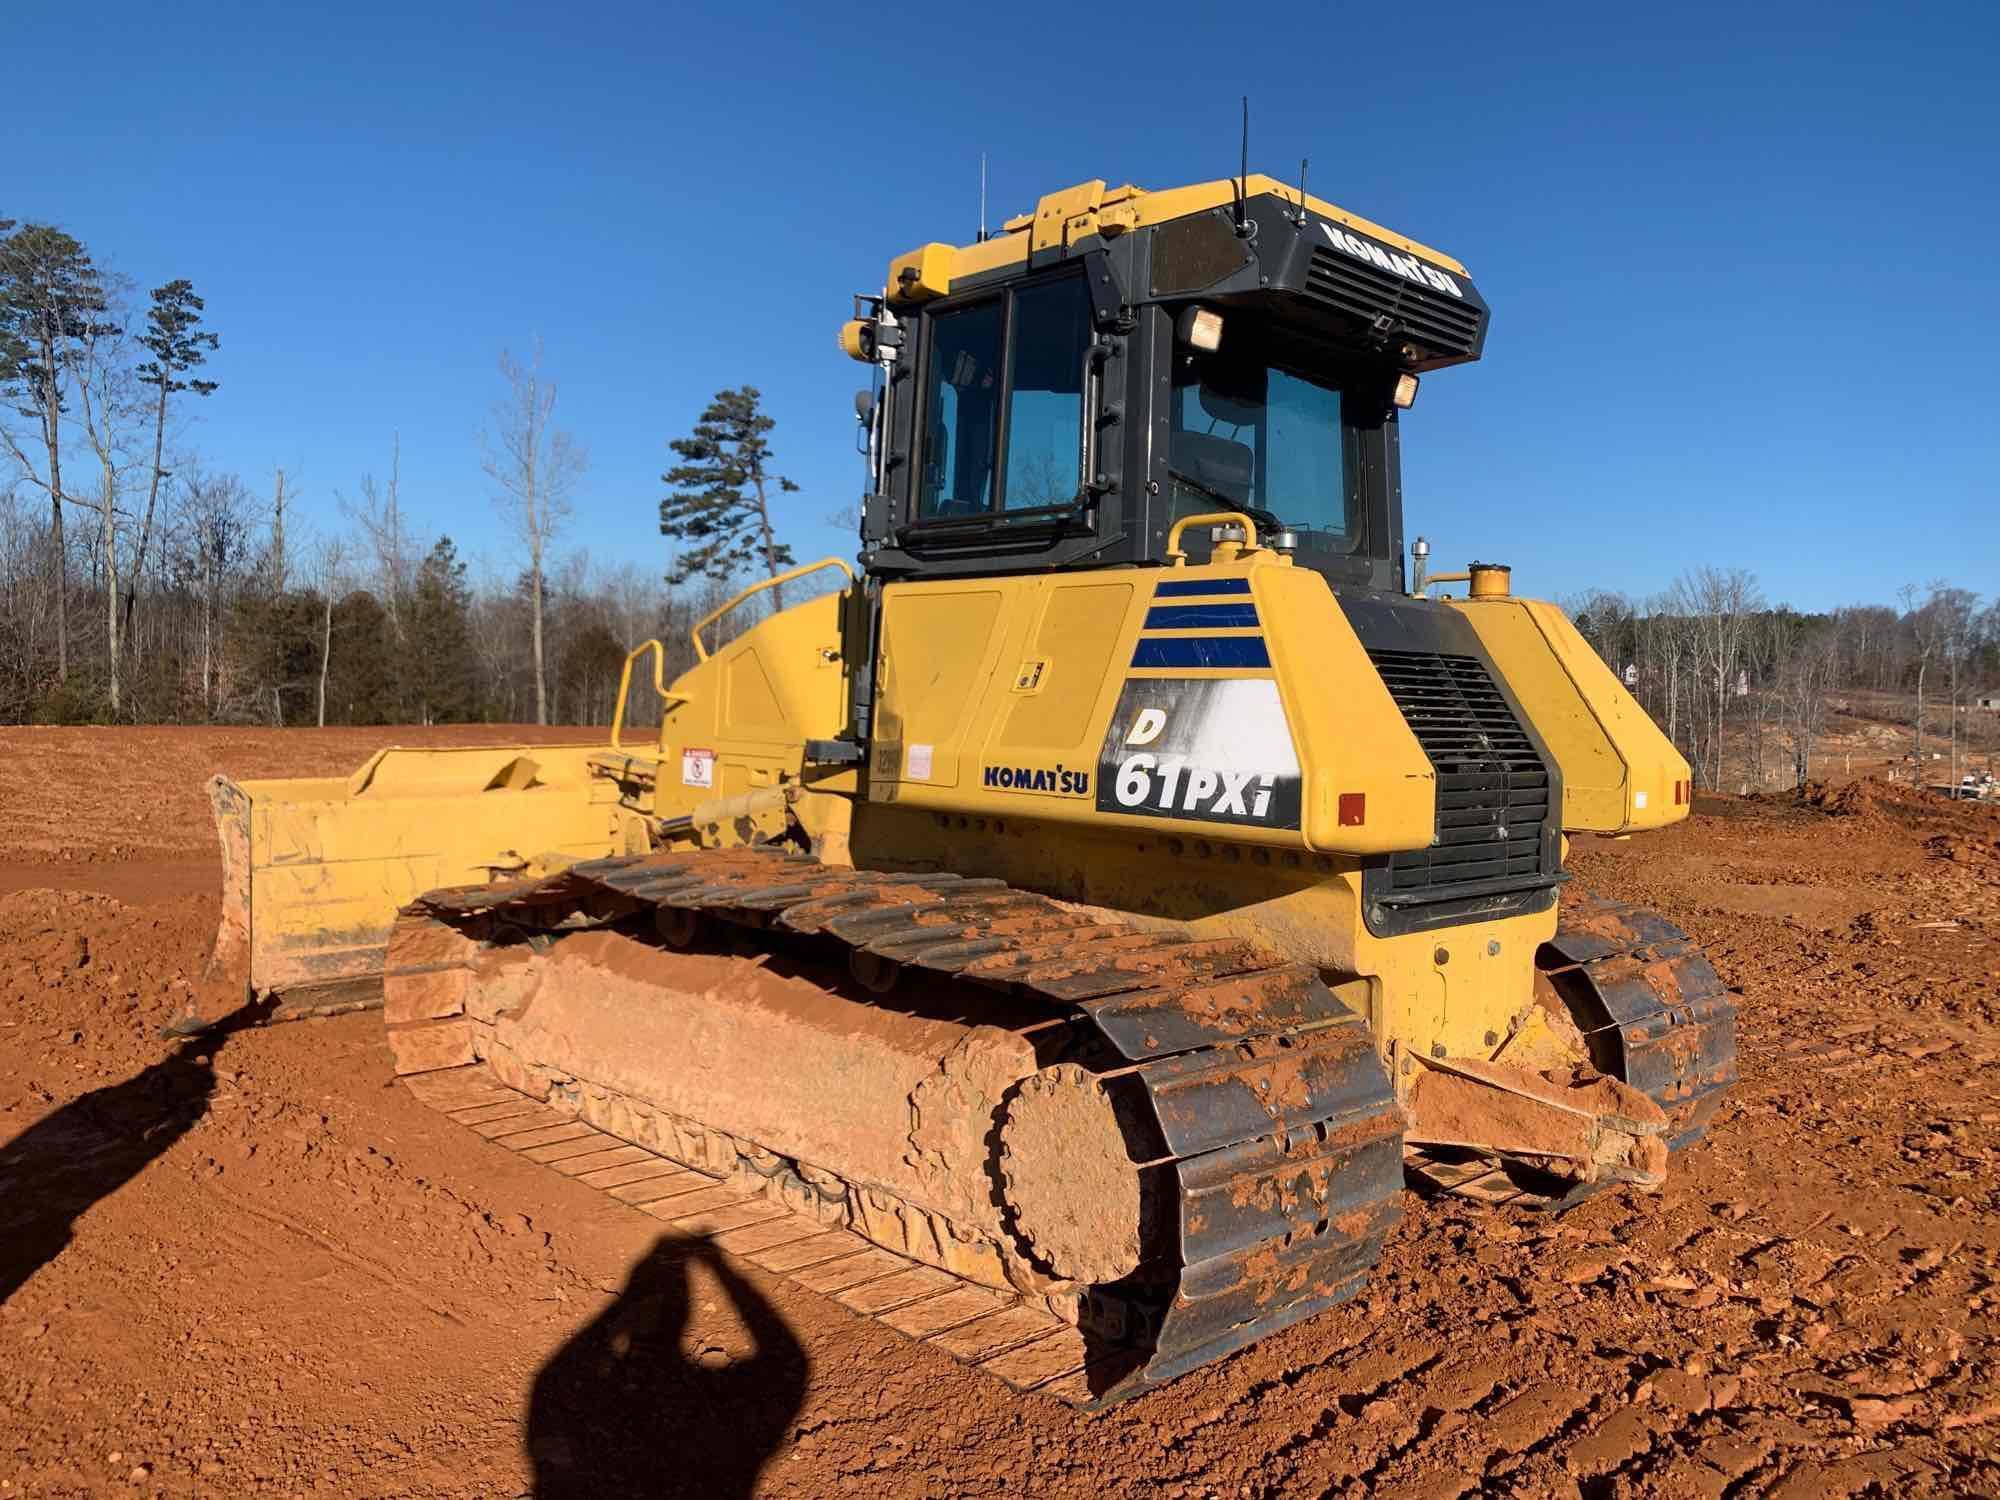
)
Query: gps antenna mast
[
  {"x": 982, "y": 197},
  {"x": 1243, "y": 178}
]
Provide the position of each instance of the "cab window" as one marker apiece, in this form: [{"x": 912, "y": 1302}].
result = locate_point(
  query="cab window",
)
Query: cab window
[
  {"x": 1045, "y": 402},
  {"x": 1253, "y": 435},
  {"x": 962, "y": 421},
  {"x": 1004, "y": 401}
]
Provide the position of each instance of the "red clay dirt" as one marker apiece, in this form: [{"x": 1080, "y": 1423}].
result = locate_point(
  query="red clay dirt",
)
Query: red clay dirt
[{"x": 255, "y": 1265}]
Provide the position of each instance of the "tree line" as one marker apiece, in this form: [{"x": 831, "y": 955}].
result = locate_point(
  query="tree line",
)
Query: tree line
[
  {"x": 141, "y": 583},
  {"x": 1745, "y": 688}
]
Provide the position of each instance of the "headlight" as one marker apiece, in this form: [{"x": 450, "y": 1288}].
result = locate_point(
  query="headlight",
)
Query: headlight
[{"x": 1200, "y": 329}]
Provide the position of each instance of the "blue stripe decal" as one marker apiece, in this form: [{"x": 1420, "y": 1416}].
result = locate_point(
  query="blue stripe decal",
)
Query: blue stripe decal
[
  {"x": 1202, "y": 651},
  {"x": 1201, "y": 616},
  {"x": 1187, "y": 588}
]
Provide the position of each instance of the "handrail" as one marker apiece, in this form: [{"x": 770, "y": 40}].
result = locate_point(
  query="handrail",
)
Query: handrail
[
  {"x": 625, "y": 685},
  {"x": 1209, "y": 518},
  {"x": 694, "y": 634}
]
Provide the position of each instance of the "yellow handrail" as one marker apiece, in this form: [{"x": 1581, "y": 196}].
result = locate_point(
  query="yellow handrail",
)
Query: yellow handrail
[
  {"x": 694, "y": 634},
  {"x": 669, "y": 699},
  {"x": 1209, "y": 518}
]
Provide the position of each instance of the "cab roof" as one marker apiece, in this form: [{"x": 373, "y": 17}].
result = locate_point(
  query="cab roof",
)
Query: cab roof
[{"x": 1091, "y": 208}]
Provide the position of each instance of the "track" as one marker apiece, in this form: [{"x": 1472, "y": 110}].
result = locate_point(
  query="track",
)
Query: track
[
  {"x": 1658, "y": 1017},
  {"x": 1653, "y": 1014},
  {"x": 1003, "y": 1335},
  {"x": 1260, "y": 1128}
]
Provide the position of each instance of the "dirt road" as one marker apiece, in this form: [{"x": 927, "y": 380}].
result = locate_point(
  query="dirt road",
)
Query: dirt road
[{"x": 254, "y": 1265}]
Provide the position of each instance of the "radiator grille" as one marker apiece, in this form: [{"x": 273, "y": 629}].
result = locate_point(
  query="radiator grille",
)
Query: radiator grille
[
  {"x": 1492, "y": 788},
  {"x": 1441, "y": 324}
]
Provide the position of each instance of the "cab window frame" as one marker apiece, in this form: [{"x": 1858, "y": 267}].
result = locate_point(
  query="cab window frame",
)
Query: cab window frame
[{"x": 996, "y": 510}]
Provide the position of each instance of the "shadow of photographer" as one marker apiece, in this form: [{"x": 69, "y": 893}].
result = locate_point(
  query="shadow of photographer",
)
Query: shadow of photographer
[{"x": 634, "y": 1404}]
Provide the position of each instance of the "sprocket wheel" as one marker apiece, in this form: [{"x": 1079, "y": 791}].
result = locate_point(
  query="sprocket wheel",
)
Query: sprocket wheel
[{"x": 1069, "y": 1179}]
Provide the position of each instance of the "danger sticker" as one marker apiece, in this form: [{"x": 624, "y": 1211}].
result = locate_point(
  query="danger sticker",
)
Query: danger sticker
[
  {"x": 918, "y": 766},
  {"x": 698, "y": 768}
]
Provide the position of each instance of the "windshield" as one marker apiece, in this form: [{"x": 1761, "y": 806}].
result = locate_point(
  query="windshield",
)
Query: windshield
[{"x": 1255, "y": 436}]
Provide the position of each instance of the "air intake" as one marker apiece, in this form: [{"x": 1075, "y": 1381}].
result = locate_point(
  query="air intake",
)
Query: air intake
[
  {"x": 1492, "y": 788},
  {"x": 1444, "y": 327}
]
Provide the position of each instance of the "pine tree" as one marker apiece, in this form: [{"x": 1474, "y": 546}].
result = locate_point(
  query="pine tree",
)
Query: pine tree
[
  {"x": 51, "y": 299},
  {"x": 361, "y": 685},
  {"x": 176, "y": 341},
  {"x": 720, "y": 502},
  {"x": 439, "y": 666}
]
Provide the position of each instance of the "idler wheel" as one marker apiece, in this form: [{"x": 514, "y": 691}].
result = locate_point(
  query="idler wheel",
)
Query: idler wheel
[
  {"x": 874, "y": 973},
  {"x": 679, "y": 927},
  {"x": 1069, "y": 1179}
]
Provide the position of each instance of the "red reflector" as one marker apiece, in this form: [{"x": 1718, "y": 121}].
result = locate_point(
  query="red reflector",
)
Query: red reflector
[{"x": 1353, "y": 809}]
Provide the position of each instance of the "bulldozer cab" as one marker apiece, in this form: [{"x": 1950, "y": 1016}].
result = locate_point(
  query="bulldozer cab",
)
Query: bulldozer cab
[{"x": 1059, "y": 395}]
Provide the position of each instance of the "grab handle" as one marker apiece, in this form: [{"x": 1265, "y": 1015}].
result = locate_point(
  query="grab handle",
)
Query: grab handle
[
  {"x": 1209, "y": 518},
  {"x": 694, "y": 634}
]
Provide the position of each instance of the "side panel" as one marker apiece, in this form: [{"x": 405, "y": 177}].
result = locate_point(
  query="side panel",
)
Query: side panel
[
  {"x": 1233, "y": 697},
  {"x": 749, "y": 709},
  {"x": 1619, "y": 772}
]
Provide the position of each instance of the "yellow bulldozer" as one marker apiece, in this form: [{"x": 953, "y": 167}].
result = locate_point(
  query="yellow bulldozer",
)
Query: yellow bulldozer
[{"x": 1136, "y": 874}]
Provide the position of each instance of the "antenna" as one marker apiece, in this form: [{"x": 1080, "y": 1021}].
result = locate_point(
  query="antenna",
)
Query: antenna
[
  {"x": 1243, "y": 178},
  {"x": 1301, "y": 219},
  {"x": 982, "y": 197}
]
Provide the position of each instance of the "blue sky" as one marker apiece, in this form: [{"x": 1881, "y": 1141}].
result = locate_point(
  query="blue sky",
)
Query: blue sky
[{"x": 1739, "y": 256}]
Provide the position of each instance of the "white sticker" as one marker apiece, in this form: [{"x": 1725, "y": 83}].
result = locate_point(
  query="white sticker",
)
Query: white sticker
[
  {"x": 698, "y": 768},
  {"x": 1217, "y": 750},
  {"x": 1638, "y": 799},
  {"x": 918, "y": 765}
]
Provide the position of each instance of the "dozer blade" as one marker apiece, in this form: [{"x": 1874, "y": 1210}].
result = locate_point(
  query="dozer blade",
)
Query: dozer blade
[
  {"x": 1152, "y": 1152},
  {"x": 315, "y": 869},
  {"x": 1660, "y": 1034},
  {"x": 1488, "y": 1130}
]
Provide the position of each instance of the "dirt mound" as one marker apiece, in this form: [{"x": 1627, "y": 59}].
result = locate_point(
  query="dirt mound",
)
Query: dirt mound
[
  {"x": 1853, "y": 799},
  {"x": 1973, "y": 850},
  {"x": 1877, "y": 797}
]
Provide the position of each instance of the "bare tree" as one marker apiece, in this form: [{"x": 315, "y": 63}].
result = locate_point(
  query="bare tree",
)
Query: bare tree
[
  {"x": 1927, "y": 628},
  {"x": 534, "y": 465},
  {"x": 217, "y": 527},
  {"x": 379, "y": 515},
  {"x": 329, "y": 573},
  {"x": 100, "y": 368},
  {"x": 1717, "y": 603},
  {"x": 1667, "y": 639},
  {"x": 1805, "y": 676},
  {"x": 1956, "y": 613},
  {"x": 278, "y": 561}
]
